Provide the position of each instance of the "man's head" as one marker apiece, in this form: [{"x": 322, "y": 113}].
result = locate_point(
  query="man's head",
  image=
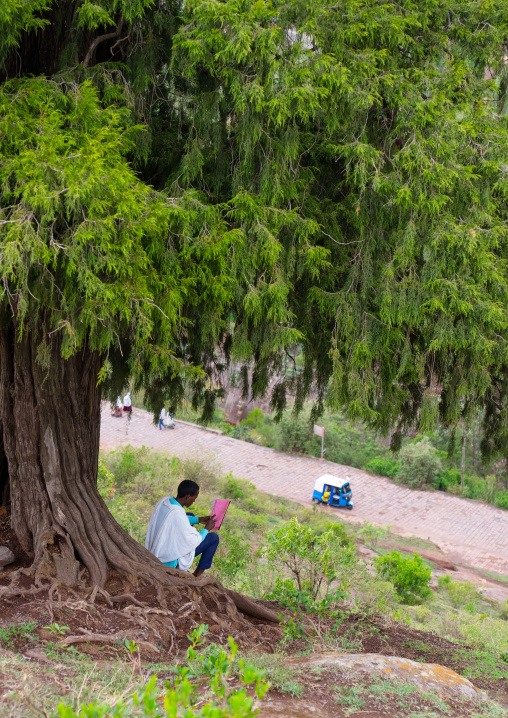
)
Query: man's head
[{"x": 187, "y": 492}]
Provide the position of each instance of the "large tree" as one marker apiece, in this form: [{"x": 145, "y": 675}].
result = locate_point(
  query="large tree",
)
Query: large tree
[{"x": 182, "y": 184}]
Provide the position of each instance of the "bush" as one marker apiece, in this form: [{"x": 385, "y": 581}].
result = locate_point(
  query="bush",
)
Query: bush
[
  {"x": 311, "y": 559},
  {"x": 372, "y": 534},
  {"x": 419, "y": 465},
  {"x": 295, "y": 433},
  {"x": 233, "y": 557},
  {"x": 502, "y": 500},
  {"x": 409, "y": 575},
  {"x": 461, "y": 595},
  {"x": 383, "y": 466},
  {"x": 447, "y": 479}
]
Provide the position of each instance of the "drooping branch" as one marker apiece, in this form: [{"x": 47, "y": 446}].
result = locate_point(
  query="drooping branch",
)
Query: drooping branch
[{"x": 102, "y": 38}]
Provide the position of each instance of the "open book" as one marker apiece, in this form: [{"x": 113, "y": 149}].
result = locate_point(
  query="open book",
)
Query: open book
[{"x": 219, "y": 508}]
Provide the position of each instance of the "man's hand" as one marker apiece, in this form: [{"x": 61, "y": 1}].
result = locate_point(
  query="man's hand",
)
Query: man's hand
[
  {"x": 204, "y": 519},
  {"x": 210, "y": 524}
]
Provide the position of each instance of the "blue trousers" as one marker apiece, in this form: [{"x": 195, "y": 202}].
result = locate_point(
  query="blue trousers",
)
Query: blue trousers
[
  {"x": 161, "y": 424},
  {"x": 207, "y": 549}
]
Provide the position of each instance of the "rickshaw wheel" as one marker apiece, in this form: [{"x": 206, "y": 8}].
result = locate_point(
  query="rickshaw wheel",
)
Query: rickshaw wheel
[
  {"x": 348, "y": 506},
  {"x": 315, "y": 501}
]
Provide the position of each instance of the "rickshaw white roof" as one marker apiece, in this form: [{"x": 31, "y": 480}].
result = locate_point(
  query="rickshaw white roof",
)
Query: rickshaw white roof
[{"x": 329, "y": 479}]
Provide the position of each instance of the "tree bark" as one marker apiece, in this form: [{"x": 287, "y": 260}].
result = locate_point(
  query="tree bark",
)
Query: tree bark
[
  {"x": 50, "y": 430},
  {"x": 463, "y": 459}
]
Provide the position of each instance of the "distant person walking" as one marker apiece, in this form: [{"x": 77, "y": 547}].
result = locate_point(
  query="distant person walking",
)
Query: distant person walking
[
  {"x": 162, "y": 417},
  {"x": 118, "y": 411},
  {"x": 127, "y": 404}
]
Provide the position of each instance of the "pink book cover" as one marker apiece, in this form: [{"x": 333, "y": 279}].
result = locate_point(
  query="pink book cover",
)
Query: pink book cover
[{"x": 219, "y": 508}]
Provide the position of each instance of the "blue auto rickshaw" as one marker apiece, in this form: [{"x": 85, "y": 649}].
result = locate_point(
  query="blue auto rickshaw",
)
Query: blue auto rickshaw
[{"x": 333, "y": 491}]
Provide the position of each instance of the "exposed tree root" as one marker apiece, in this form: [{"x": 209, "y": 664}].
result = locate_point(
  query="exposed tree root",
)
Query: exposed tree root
[
  {"x": 88, "y": 636},
  {"x": 156, "y": 616}
]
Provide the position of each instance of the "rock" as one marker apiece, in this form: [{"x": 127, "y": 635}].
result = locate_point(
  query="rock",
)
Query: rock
[
  {"x": 426, "y": 676},
  {"x": 290, "y": 709},
  {"x": 38, "y": 654},
  {"x": 6, "y": 556}
]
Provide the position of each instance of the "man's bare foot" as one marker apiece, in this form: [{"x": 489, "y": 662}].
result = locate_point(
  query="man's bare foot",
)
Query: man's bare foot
[{"x": 198, "y": 572}]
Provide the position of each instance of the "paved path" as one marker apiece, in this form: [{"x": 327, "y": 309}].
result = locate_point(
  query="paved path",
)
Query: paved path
[{"x": 469, "y": 532}]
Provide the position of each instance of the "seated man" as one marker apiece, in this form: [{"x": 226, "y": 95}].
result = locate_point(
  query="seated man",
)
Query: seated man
[{"x": 171, "y": 536}]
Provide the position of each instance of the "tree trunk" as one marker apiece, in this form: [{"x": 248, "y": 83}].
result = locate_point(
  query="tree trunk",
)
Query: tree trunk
[
  {"x": 463, "y": 462},
  {"x": 50, "y": 430}
]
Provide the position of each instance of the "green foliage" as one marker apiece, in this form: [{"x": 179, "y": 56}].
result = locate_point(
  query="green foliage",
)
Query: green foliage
[
  {"x": 409, "y": 576},
  {"x": 502, "y": 500},
  {"x": 462, "y": 595},
  {"x": 57, "y": 629},
  {"x": 372, "y": 534},
  {"x": 186, "y": 696},
  {"x": 9, "y": 634},
  {"x": 18, "y": 16},
  {"x": 232, "y": 558},
  {"x": 383, "y": 466},
  {"x": 308, "y": 176},
  {"x": 312, "y": 560},
  {"x": 504, "y": 610},
  {"x": 419, "y": 465}
]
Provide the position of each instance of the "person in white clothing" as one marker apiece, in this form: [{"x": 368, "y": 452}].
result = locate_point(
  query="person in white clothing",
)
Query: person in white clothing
[
  {"x": 127, "y": 404},
  {"x": 171, "y": 535}
]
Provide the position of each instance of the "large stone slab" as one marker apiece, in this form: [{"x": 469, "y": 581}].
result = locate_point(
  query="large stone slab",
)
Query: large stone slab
[
  {"x": 426, "y": 676},
  {"x": 355, "y": 668}
]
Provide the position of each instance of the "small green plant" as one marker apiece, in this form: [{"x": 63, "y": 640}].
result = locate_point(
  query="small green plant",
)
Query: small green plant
[
  {"x": 131, "y": 646},
  {"x": 186, "y": 696},
  {"x": 409, "y": 575},
  {"x": 16, "y": 632},
  {"x": 56, "y": 629},
  {"x": 105, "y": 482},
  {"x": 293, "y": 688},
  {"x": 372, "y": 534},
  {"x": 351, "y": 697}
]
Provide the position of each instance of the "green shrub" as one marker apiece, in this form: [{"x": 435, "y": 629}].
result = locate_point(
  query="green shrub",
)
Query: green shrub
[
  {"x": 311, "y": 559},
  {"x": 419, "y": 465},
  {"x": 502, "y": 500},
  {"x": 233, "y": 489},
  {"x": 372, "y": 534},
  {"x": 233, "y": 557},
  {"x": 447, "y": 479},
  {"x": 383, "y": 466},
  {"x": 294, "y": 433},
  {"x": 461, "y": 595},
  {"x": 409, "y": 575}
]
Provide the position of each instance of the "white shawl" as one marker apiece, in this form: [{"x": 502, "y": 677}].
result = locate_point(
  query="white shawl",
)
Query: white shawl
[{"x": 175, "y": 537}]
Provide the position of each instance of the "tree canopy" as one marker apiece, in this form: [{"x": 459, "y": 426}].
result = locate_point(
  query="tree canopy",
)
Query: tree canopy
[{"x": 182, "y": 184}]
